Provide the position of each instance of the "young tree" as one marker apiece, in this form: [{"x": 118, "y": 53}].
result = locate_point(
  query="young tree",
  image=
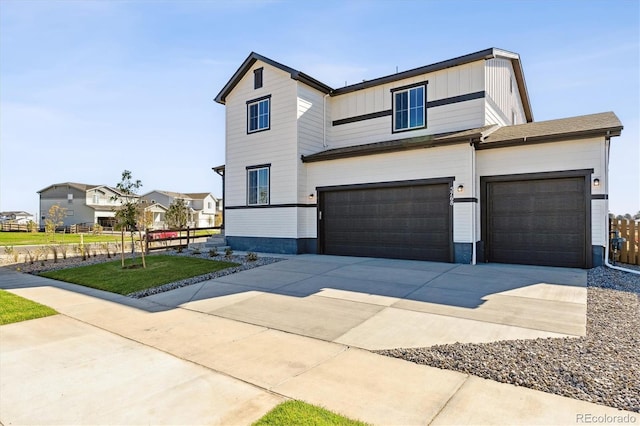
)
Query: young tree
[
  {"x": 54, "y": 219},
  {"x": 128, "y": 213},
  {"x": 177, "y": 214}
]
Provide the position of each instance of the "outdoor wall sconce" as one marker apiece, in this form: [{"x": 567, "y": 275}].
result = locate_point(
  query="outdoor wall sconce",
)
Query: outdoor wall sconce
[
  {"x": 460, "y": 188},
  {"x": 596, "y": 182},
  {"x": 311, "y": 196}
]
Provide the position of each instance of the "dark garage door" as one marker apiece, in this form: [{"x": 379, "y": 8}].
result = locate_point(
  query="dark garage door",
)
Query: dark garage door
[
  {"x": 403, "y": 222},
  {"x": 537, "y": 222}
]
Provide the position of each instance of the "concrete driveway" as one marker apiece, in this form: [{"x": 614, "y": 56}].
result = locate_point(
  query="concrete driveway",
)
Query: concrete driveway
[{"x": 382, "y": 303}]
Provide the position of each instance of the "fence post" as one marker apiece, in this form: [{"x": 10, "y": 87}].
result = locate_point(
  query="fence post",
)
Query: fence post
[{"x": 187, "y": 235}]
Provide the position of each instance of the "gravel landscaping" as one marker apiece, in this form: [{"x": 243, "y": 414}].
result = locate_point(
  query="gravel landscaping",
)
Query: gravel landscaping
[{"x": 603, "y": 367}]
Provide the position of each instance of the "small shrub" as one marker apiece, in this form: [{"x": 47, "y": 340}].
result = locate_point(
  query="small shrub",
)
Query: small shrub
[
  {"x": 213, "y": 252},
  {"x": 54, "y": 250},
  {"x": 10, "y": 251},
  {"x": 63, "y": 250},
  {"x": 251, "y": 257},
  {"x": 228, "y": 252},
  {"x": 32, "y": 226},
  {"x": 97, "y": 229},
  {"x": 179, "y": 249},
  {"x": 28, "y": 254}
]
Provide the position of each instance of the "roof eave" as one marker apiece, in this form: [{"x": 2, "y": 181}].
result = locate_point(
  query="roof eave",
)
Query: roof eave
[{"x": 604, "y": 132}]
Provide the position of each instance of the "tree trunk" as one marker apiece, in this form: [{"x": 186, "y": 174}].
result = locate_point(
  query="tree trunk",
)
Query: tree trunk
[
  {"x": 122, "y": 246},
  {"x": 144, "y": 263}
]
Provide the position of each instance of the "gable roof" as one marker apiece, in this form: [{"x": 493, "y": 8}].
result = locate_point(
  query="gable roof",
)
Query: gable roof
[
  {"x": 199, "y": 195},
  {"x": 604, "y": 124},
  {"x": 78, "y": 186},
  {"x": 169, "y": 194},
  {"x": 316, "y": 84}
]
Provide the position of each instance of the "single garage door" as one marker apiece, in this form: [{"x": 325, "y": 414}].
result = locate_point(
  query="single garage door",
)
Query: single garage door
[
  {"x": 411, "y": 221},
  {"x": 537, "y": 222}
]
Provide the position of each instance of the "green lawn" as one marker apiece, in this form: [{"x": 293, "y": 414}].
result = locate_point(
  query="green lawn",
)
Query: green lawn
[
  {"x": 301, "y": 413},
  {"x": 161, "y": 269},
  {"x": 15, "y": 309},
  {"x": 38, "y": 238}
]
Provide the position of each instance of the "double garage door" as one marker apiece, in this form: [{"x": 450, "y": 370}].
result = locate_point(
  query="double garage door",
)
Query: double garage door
[
  {"x": 532, "y": 219},
  {"x": 404, "y": 220}
]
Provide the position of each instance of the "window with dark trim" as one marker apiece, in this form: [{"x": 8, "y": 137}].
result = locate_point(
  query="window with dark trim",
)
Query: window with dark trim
[
  {"x": 258, "y": 114},
  {"x": 258, "y": 185},
  {"x": 257, "y": 78},
  {"x": 409, "y": 107}
]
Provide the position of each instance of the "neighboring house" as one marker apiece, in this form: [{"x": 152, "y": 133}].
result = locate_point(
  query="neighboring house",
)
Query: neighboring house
[
  {"x": 202, "y": 207},
  {"x": 19, "y": 217},
  {"x": 441, "y": 162},
  {"x": 83, "y": 204}
]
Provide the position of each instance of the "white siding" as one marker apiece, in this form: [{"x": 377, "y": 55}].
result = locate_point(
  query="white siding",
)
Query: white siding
[
  {"x": 276, "y": 146},
  {"x": 442, "y": 84},
  {"x": 548, "y": 157},
  {"x": 453, "y": 161},
  {"x": 271, "y": 222},
  {"x": 311, "y": 111},
  {"x": 502, "y": 91}
]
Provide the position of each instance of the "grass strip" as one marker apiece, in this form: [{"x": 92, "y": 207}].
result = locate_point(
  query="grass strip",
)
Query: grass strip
[
  {"x": 300, "y": 413},
  {"x": 14, "y": 308},
  {"x": 161, "y": 269},
  {"x": 41, "y": 238}
]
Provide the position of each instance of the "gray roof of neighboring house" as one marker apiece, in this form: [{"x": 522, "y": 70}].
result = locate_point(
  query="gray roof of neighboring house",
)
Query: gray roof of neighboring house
[
  {"x": 78, "y": 186},
  {"x": 170, "y": 194},
  {"x": 199, "y": 195},
  {"x": 492, "y": 136},
  {"x": 316, "y": 84}
]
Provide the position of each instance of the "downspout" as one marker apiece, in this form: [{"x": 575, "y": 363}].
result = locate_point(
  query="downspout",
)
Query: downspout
[
  {"x": 324, "y": 120},
  {"x": 474, "y": 205},
  {"x": 606, "y": 218}
]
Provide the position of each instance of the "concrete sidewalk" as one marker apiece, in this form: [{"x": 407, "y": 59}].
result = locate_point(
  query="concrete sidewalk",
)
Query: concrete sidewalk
[{"x": 112, "y": 359}]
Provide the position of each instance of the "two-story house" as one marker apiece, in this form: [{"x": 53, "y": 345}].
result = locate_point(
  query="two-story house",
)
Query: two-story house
[
  {"x": 83, "y": 203},
  {"x": 202, "y": 207},
  {"x": 442, "y": 162}
]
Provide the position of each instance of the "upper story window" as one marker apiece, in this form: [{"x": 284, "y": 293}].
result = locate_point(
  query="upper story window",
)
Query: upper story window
[
  {"x": 409, "y": 108},
  {"x": 258, "y": 114},
  {"x": 257, "y": 78},
  {"x": 258, "y": 185},
  {"x": 70, "y": 198},
  {"x": 96, "y": 198}
]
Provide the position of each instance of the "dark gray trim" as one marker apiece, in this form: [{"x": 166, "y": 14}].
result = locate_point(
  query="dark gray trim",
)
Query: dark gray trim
[
  {"x": 532, "y": 140},
  {"x": 257, "y": 78},
  {"x": 431, "y": 104},
  {"x": 221, "y": 97},
  {"x": 411, "y": 86},
  {"x": 486, "y": 180},
  {"x": 362, "y": 117},
  {"x": 597, "y": 256},
  {"x": 272, "y": 245},
  {"x": 462, "y": 252},
  {"x": 258, "y": 167},
  {"x": 388, "y": 184},
  {"x": 465, "y": 200},
  {"x": 257, "y": 101},
  {"x": 599, "y": 196},
  {"x": 261, "y": 98},
  {"x": 316, "y": 84},
  {"x": 456, "y": 99},
  {"x": 393, "y": 105},
  {"x": 269, "y": 206}
]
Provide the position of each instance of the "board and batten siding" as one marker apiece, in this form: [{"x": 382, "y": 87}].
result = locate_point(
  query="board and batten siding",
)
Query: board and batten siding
[
  {"x": 276, "y": 146},
  {"x": 447, "y": 83},
  {"x": 502, "y": 94},
  {"x": 451, "y": 161},
  {"x": 552, "y": 157},
  {"x": 310, "y": 130}
]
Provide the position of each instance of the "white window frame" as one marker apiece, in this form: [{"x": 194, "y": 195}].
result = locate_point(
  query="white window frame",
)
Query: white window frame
[
  {"x": 259, "y": 184},
  {"x": 260, "y": 125},
  {"x": 408, "y": 90}
]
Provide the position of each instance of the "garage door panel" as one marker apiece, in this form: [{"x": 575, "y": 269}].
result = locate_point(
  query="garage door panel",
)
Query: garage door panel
[
  {"x": 410, "y": 222},
  {"x": 537, "y": 221}
]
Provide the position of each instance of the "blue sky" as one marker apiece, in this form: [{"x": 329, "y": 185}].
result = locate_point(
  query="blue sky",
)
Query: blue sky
[{"x": 91, "y": 88}]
